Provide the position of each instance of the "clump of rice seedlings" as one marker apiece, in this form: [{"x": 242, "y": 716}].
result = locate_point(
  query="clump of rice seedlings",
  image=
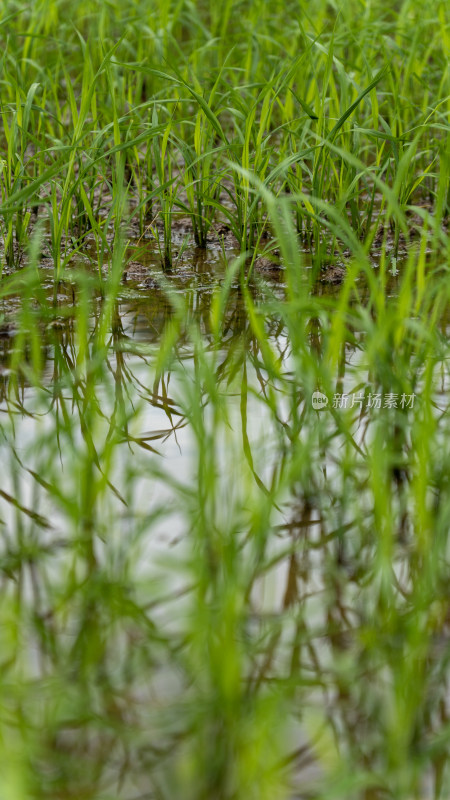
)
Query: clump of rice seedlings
[
  {"x": 16, "y": 165},
  {"x": 140, "y": 165},
  {"x": 202, "y": 181},
  {"x": 168, "y": 184}
]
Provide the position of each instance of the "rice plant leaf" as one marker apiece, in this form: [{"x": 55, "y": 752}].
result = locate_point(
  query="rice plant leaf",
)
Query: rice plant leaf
[
  {"x": 306, "y": 108},
  {"x": 335, "y": 130}
]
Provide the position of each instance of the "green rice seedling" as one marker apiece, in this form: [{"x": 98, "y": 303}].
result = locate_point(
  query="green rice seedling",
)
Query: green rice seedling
[
  {"x": 15, "y": 168},
  {"x": 168, "y": 189},
  {"x": 320, "y": 169},
  {"x": 247, "y": 210},
  {"x": 142, "y": 172},
  {"x": 202, "y": 180}
]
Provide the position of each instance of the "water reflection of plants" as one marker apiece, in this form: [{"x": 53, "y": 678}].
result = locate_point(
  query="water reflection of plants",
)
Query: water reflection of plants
[{"x": 266, "y": 614}]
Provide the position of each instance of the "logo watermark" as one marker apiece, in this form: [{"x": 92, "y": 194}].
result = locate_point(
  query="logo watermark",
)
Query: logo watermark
[
  {"x": 319, "y": 401},
  {"x": 362, "y": 400}
]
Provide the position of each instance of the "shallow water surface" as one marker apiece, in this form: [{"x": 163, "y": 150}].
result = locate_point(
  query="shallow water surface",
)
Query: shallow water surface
[{"x": 171, "y": 521}]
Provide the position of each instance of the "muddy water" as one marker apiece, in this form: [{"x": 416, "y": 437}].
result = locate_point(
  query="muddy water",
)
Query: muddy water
[
  {"x": 138, "y": 425},
  {"x": 155, "y": 427},
  {"x": 43, "y": 424}
]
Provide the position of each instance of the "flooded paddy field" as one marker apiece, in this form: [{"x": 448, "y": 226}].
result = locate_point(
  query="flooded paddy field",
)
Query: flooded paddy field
[
  {"x": 224, "y": 384},
  {"x": 195, "y": 550}
]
